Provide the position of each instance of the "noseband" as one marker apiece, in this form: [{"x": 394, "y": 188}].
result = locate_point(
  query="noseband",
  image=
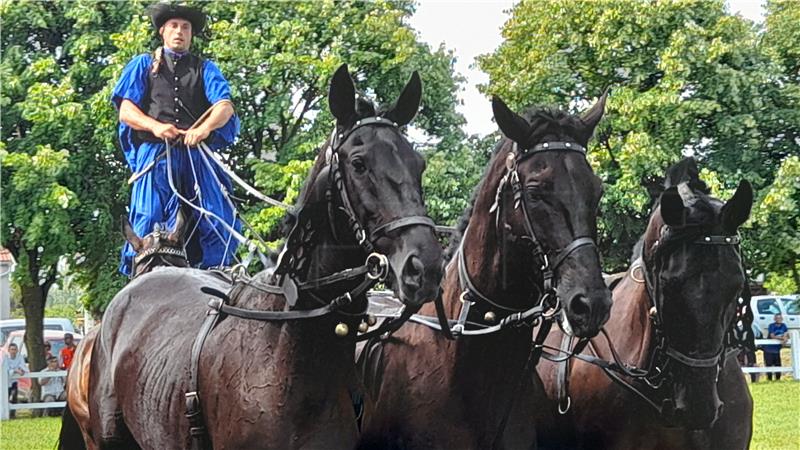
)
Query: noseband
[{"x": 163, "y": 252}]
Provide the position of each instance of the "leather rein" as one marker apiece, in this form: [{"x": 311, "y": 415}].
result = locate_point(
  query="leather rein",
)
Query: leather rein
[{"x": 284, "y": 281}]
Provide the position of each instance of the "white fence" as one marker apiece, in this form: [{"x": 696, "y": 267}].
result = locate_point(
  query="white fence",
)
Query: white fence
[
  {"x": 794, "y": 348},
  {"x": 6, "y": 407}
]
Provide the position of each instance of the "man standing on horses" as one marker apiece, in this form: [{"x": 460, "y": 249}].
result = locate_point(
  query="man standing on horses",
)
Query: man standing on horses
[{"x": 160, "y": 98}]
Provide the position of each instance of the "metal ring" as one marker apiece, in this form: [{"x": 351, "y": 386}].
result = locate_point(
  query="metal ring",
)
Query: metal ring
[
  {"x": 565, "y": 410},
  {"x": 380, "y": 262},
  {"x": 633, "y": 271},
  {"x": 554, "y": 310}
]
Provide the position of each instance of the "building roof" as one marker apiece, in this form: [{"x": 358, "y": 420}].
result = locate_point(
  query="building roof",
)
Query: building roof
[{"x": 6, "y": 256}]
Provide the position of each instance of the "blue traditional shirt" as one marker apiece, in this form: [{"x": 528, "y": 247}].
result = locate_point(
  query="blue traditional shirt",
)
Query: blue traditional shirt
[{"x": 132, "y": 85}]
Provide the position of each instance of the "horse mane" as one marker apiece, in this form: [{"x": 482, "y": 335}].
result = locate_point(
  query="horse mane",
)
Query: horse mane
[{"x": 556, "y": 121}]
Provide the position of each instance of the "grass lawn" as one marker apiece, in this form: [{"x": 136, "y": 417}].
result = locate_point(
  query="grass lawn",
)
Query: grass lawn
[{"x": 776, "y": 421}]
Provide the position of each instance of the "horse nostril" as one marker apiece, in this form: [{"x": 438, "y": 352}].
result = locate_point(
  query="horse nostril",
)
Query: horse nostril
[
  {"x": 412, "y": 272},
  {"x": 579, "y": 305}
]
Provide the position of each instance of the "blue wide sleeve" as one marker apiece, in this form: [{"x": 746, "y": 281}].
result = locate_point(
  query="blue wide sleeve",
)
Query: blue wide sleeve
[
  {"x": 132, "y": 85},
  {"x": 217, "y": 88}
]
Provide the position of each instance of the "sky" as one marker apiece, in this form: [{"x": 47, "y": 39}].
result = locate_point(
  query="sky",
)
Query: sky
[{"x": 472, "y": 27}]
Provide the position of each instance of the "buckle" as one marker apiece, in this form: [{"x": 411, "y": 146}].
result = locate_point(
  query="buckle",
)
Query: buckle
[{"x": 377, "y": 266}]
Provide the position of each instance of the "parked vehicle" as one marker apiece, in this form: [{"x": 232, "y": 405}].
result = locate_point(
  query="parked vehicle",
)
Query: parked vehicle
[
  {"x": 50, "y": 323},
  {"x": 56, "y": 340},
  {"x": 766, "y": 306}
]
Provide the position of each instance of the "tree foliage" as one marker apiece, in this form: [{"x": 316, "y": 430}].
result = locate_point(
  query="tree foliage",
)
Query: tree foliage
[
  {"x": 687, "y": 77},
  {"x": 61, "y": 59}
]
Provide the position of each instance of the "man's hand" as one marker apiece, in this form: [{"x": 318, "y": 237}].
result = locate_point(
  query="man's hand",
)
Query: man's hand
[
  {"x": 166, "y": 131},
  {"x": 195, "y": 135}
]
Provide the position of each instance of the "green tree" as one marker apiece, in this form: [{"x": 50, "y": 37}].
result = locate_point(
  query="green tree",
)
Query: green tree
[
  {"x": 687, "y": 77},
  {"x": 62, "y": 58}
]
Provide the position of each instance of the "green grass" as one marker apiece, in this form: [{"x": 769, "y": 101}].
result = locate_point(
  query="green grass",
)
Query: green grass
[
  {"x": 776, "y": 421},
  {"x": 30, "y": 434},
  {"x": 776, "y": 414}
]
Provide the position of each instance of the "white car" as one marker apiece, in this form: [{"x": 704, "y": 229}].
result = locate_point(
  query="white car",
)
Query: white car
[
  {"x": 766, "y": 306},
  {"x": 50, "y": 323}
]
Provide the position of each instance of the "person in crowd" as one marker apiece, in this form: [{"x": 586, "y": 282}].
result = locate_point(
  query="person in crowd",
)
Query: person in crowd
[
  {"x": 67, "y": 352},
  {"x": 47, "y": 350},
  {"x": 14, "y": 364},
  {"x": 53, "y": 387},
  {"x": 772, "y": 353}
]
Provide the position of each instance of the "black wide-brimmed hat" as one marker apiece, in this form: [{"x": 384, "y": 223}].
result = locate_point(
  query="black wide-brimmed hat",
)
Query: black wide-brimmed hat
[{"x": 162, "y": 12}]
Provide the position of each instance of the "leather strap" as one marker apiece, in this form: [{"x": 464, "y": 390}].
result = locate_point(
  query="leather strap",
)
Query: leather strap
[{"x": 408, "y": 221}]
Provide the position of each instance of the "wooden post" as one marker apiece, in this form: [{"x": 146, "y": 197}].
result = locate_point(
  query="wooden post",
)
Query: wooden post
[{"x": 794, "y": 342}]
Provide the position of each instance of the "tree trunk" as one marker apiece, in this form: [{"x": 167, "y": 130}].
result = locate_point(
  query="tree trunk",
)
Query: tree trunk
[{"x": 33, "y": 301}]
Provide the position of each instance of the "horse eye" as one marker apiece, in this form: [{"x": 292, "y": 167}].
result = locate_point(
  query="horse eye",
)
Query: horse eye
[{"x": 358, "y": 165}]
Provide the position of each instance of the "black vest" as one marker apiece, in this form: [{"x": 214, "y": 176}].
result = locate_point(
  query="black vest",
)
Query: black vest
[{"x": 175, "y": 94}]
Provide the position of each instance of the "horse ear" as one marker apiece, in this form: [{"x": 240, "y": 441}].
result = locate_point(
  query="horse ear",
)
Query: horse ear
[
  {"x": 342, "y": 95},
  {"x": 737, "y": 210},
  {"x": 511, "y": 124},
  {"x": 181, "y": 221},
  {"x": 592, "y": 116},
  {"x": 672, "y": 209},
  {"x": 408, "y": 103},
  {"x": 130, "y": 235}
]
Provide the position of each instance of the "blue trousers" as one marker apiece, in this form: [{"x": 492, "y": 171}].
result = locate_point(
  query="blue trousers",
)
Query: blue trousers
[{"x": 200, "y": 180}]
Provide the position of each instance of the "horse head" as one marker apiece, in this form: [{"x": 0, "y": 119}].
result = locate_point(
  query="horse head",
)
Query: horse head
[
  {"x": 159, "y": 247},
  {"x": 558, "y": 194},
  {"x": 695, "y": 276},
  {"x": 370, "y": 180}
]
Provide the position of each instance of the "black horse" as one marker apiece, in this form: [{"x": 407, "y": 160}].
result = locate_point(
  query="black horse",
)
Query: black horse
[
  {"x": 527, "y": 244},
  {"x": 283, "y": 381},
  {"x": 674, "y": 328}
]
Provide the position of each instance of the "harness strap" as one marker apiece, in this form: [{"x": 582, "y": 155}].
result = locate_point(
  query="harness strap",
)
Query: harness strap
[{"x": 194, "y": 411}]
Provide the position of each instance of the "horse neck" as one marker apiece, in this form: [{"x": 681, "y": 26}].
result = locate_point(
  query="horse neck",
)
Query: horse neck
[
  {"x": 498, "y": 269},
  {"x": 629, "y": 326}
]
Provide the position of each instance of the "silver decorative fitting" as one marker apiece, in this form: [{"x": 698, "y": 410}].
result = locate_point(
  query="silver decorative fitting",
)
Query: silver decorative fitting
[
  {"x": 378, "y": 118},
  {"x": 568, "y": 144},
  {"x": 395, "y": 124},
  {"x": 358, "y": 122},
  {"x": 341, "y": 135},
  {"x": 545, "y": 145},
  {"x": 707, "y": 238},
  {"x": 727, "y": 239}
]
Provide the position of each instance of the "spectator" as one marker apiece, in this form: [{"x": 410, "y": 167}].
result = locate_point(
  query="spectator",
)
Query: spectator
[
  {"x": 53, "y": 388},
  {"x": 14, "y": 364},
  {"x": 47, "y": 350},
  {"x": 68, "y": 351},
  {"x": 772, "y": 353}
]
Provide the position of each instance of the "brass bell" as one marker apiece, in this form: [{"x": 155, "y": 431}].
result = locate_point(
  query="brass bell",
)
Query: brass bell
[
  {"x": 653, "y": 312},
  {"x": 342, "y": 330},
  {"x": 363, "y": 327},
  {"x": 490, "y": 317},
  {"x": 371, "y": 319}
]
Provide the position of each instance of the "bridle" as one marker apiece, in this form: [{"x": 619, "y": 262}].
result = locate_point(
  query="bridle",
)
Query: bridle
[
  {"x": 662, "y": 351},
  {"x": 165, "y": 253},
  {"x": 284, "y": 280},
  {"x": 547, "y": 305}
]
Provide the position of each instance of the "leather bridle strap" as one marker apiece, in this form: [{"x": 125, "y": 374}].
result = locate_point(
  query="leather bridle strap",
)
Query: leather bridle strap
[
  {"x": 569, "y": 249},
  {"x": 404, "y": 222}
]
